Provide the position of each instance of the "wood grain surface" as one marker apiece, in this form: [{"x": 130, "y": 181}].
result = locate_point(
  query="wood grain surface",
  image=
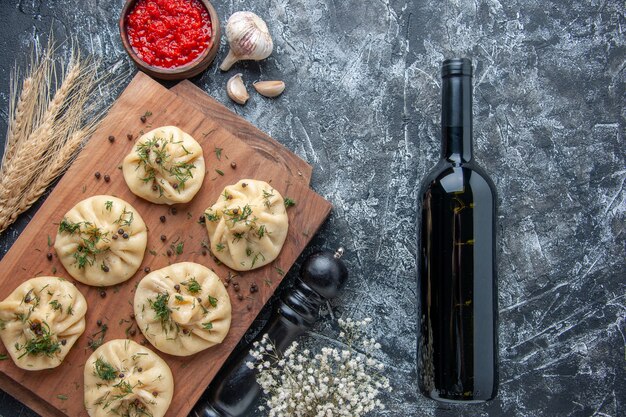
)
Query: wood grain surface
[
  {"x": 44, "y": 391},
  {"x": 244, "y": 130}
]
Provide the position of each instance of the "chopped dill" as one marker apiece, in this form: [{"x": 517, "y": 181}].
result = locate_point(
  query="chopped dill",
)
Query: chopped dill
[
  {"x": 105, "y": 370},
  {"x": 213, "y": 301},
  {"x": 179, "y": 248},
  {"x": 56, "y": 305},
  {"x": 41, "y": 344},
  {"x": 211, "y": 217},
  {"x": 125, "y": 219},
  {"x": 67, "y": 226},
  {"x": 266, "y": 197},
  {"x": 124, "y": 388},
  {"x": 192, "y": 285},
  {"x": 162, "y": 310},
  {"x": 94, "y": 344},
  {"x": 239, "y": 214},
  {"x": 88, "y": 248},
  {"x": 256, "y": 258}
]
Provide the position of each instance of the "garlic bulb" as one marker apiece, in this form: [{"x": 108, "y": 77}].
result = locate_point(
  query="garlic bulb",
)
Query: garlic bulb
[
  {"x": 248, "y": 38},
  {"x": 237, "y": 90},
  {"x": 269, "y": 88}
]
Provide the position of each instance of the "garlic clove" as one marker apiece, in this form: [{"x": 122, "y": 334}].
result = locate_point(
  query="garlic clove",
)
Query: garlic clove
[
  {"x": 248, "y": 38},
  {"x": 269, "y": 88},
  {"x": 237, "y": 90}
]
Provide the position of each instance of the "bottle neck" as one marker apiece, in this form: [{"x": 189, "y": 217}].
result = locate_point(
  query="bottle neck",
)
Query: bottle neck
[{"x": 456, "y": 118}]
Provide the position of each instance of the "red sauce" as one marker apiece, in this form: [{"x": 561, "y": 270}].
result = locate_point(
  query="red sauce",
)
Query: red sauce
[{"x": 169, "y": 33}]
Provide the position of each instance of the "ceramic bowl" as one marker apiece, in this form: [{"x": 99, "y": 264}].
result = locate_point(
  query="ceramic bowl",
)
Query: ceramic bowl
[{"x": 189, "y": 70}]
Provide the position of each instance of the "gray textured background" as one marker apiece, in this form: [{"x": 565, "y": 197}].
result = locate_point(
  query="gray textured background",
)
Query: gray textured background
[{"x": 362, "y": 106}]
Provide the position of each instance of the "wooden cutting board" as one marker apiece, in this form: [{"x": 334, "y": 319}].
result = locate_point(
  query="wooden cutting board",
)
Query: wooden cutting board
[
  {"x": 244, "y": 130},
  {"x": 59, "y": 391}
]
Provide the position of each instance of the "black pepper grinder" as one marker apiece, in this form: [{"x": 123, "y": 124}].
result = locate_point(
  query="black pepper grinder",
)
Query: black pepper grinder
[{"x": 235, "y": 389}]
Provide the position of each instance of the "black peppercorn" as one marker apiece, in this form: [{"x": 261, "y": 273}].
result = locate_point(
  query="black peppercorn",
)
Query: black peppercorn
[
  {"x": 139, "y": 369},
  {"x": 158, "y": 160},
  {"x": 97, "y": 175},
  {"x": 114, "y": 237},
  {"x": 105, "y": 268},
  {"x": 121, "y": 375},
  {"x": 233, "y": 165},
  {"x": 120, "y": 231},
  {"x": 155, "y": 394},
  {"x": 235, "y": 211},
  {"x": 163, "y": 238},
  {"x": 132, "y": 316},
  {"x": 177, "y": 287},
  {"x": 175, "y": 186},
  {"x": 174, "y": 210},
  {"x": 49, "y": 256},
  {"x": 133, "y": 332},
  {"x": 154, "y": 187},
  {"x": 146, "y": 269},
  {"x": 244, "y": 184},
  {"x": 162, "y": 218},
  {"x": 129, "y": 136},
  {"x": 169, "y": 252},
  {"x": 240, "y": 296},
  {"x": 156, "y": 145},
  {"x": 99, "y": 322},
  {"x": 143, "y": 119},
  {"x": 125, "y": 235},
  {"x": 111, "y": 138},
  {"x": 63, "y": 342},
  {"x": 107, "y": 178},
  {"x": 204, "y": 252},
  {"x": 103, "y": 293},
  {"x": 201, "y": 219},
  {"x": 199, "y": 299}
]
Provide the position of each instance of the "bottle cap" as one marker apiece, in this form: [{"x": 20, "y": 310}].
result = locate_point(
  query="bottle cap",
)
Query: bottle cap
[{"x": 456, "y": 66}]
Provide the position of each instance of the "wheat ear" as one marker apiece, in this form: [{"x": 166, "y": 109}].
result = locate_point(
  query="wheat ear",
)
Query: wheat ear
[{"x": 41, "y": 155}]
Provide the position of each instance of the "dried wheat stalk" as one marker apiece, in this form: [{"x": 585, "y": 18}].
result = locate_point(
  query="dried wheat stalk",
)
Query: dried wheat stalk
[{"x": 46, "y": 128}]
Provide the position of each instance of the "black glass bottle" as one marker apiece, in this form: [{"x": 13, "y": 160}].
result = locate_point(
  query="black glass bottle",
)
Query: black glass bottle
[{"x": 457, "y": 356}]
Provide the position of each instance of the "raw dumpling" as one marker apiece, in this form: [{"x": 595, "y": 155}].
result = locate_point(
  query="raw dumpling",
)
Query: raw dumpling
[
  {"x": 123, "y": 378},
  {"x": 101, "y": 241},
  {"x": 40, "y": 321},
  {"x": 182, "y": 308},
  {"x": 166, "y": 166},
  {"x": 247, "y": 225}
]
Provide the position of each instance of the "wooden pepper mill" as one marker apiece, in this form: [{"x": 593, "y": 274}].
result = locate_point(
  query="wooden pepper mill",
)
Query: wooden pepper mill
[{"x": 235, "y": 389}]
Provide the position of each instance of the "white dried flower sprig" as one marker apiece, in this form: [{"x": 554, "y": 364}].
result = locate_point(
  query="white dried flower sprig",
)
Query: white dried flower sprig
[{"x": 334, "y": 382}]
